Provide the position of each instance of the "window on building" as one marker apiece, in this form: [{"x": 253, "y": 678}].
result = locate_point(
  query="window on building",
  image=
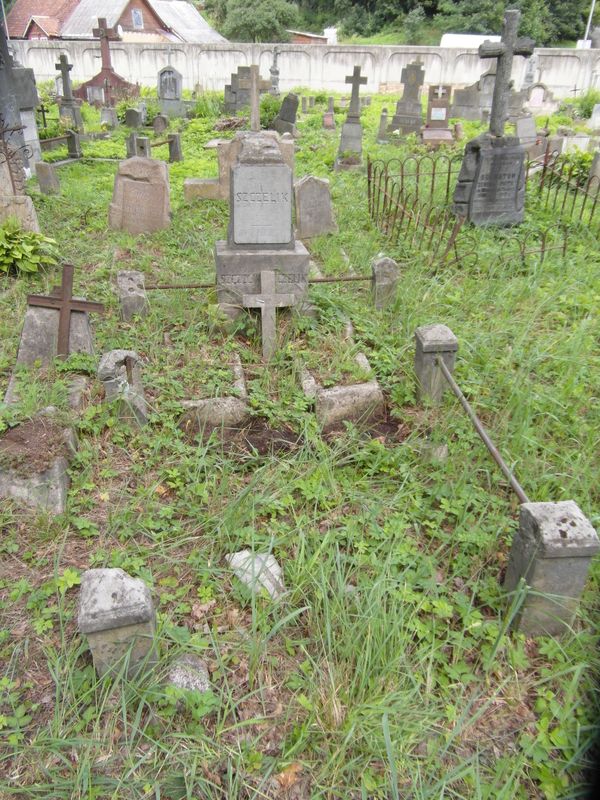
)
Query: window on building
[{"x": 137, "y": 18}]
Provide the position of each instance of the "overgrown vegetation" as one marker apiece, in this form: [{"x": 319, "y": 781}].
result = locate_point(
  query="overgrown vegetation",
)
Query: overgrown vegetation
[{"x": 388, "y": 669}]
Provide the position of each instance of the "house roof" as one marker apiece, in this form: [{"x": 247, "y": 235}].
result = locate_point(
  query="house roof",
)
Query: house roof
[
  {"x": 48, "y": 14},
  {"x": 185, "y": 21}
]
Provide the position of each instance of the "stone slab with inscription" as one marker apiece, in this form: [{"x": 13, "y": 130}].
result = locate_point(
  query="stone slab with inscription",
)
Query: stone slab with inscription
[
  {"x": 261, "y": 203},
  {"x": 491, "y": 182},
  {"x": 140, "y": 201}
]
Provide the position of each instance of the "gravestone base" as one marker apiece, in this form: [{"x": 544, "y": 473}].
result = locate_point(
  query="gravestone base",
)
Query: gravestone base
[
  {"x": 238, "y": 273},
  {"x": 351, "y": 139},
  {"x": 434, "y": 137},
  {"x": 172, "y": 108},
  {"x": 21, "y": 207},
  {"x": 229, "y": 411},
  {"x": 283, "y": 126},
  {"x": 204, "y": 189},
  {"x": 491, "y": 182}
]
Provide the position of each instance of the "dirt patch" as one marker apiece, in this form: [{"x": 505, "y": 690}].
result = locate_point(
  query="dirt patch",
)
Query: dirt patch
[
  {"x": 33, "y": 445},
  {"x": 379, "y": 426},
  {"x": 255, "y": 437}
]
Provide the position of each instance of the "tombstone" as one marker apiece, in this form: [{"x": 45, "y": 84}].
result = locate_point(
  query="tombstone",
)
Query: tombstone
[
  {"x": 351, "y": 138},
  {"x": 304, "y": 101},
  {"x": 109, "y": 118},
  {"x": 531, "y": 71},
  {"x": 408, "y": 117},
  {"x": 534, "y": 143},
  {"x": 238, "y": 92},
  {"x": 383, "y": 121},
  {"x": 47, "y": 178},
  {"x": 285, "y": 121},
  {"x": 385, "y": 275},
  {"x": 130, "y": 145},
  {"x": 28, "y": 100},
  {"x": 466, "y": 103},
  {"x": 594, "y": 122},
  {"x": 117, "y": 616},
  {"x": 437, "y": 130},
  {"x": 594, "y": 177},
  {"x": 175, "y": 151},
  {"x": 274, "y": 73},
  {"x": 329, "y": 117},
  {"x": 131, "y": 289},
  {"x": 99, "y": 89},
  {"x": 491, "y": 182},
  {"x": 133, "y": 118},
  {"x": 121, "y": 376},
  {"x": 69, "y": 106},
  {"x": 160, "y": 123},
  {"x": 260, "y": 233},
  {"x": 14, "y": 203},
  {"x": 311, "y": 101},
  {"x": 314, "y": 213},
  {"x": 267, "y": 302},
  {"x": 73, "y": 145},
  {"x": 140, "y": 201},
  {"x": 170, "y": 90}
]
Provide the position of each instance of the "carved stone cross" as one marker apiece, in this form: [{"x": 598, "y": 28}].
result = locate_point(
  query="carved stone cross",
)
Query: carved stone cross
[
  {"x": 61, "y": 299},
  {"x": 256, "y": 85},
  {"x": 64, "y": 68},
  {"x": 440, "y": 92},
  {"x": 107, "y": 95},
  {"x": 268, "y": 301},
  {"x": 510, "y": 46},
  {"x": 104, "y": 33},
  {"x": 356, "y": 81}
]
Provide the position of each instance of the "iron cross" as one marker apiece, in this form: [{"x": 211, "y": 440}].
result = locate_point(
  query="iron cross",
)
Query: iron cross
[
  {"x": 268, "y": 301},
  {"x": 61, "y": 299},
  {"x": 510, "y": 46}
]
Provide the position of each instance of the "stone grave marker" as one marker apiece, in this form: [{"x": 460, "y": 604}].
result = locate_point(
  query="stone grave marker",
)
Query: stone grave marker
[
  {"x": 121, "y": 376},
  {"x": 14, "y": 203},
  {"x": 540, "y": 100},
  {"x": 140, "y": 202},
  {"x": 384, "y": 281},
  {"x": 285, "y": 121},
  {"x": 131, "y": 290},
  {"x": 99, "y": 89},
  {"x": 47, "y": 178},
  {"x": 28, "y": 101},
  {"x": 268, "y": 301},
  {"x": 160, "y": 124},
  {"x": 133, "y": 118},
  {"x": 437, "y": 130},
  {"x": 170, "y": 92},
  {"x": 351, "y": 138},
  {"x": 594, "y": 122},
  {"x": 329, "y": 115},
  {"x": 314, "y": 213},
  {"x": 69, "y": 106},
  {"x": 466, "y": 103},
  {"x": 491, "y": 182},
  {"x": 383, "y": 122},
  {"x": 408, "y": 117},
  {"x": 534, "y": 143},
  {"x": 304, "y": 103},
  {"x": 274, "y": 73},
  {"x": 260, "y": 234}
]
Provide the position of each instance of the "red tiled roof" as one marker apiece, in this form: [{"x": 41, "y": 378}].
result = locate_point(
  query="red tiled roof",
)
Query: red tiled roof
[{"x": 19, "y": 16}]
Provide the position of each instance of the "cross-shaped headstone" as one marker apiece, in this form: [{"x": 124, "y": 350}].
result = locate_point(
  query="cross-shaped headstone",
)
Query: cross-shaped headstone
[
  {"x": 268, "y": 301},
  {"x": 510, "y": 45},
  {"x": 104, "y": 33},
  {"x": 61, "y": 299},
  {"x": 107, "y": 95},
  {"x": 356, "y": 81},
  {"x": 64, "y": 68},
  {"x": 574, "y": 90},
  {"x": 256, "y": 85}
]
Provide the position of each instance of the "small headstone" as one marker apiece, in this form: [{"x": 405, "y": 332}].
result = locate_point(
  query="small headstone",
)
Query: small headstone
[
  {"x": 385, "y": 275},
  {"x": 160, "y": 124},
  {"x": 73, "y": 145},
  {"x": 311, "y": 102},
  {"x": 314, "y": 213},
  {"x": 121, "y": 376},
  {"x": 109, "y": 118},
  {"x": 526, "y": 130},
  {"x": 437, "y": 130},
  {"x": 47, "y": 178},
  {"x": 175, "y": 151},
  {"x": 408, "y": 117},
  {"x": 594, "y": 177},
  {"x": 131, "y": 289},
  {"x": 170, "y": 89},
  {"x": 383, "y": 121},
  {"x": 133, "y": 118},
  {"x": 285, "y": 121},
  {"x": 258, "y": 571},
  {"x": 140, "y": 201},
  {"x": 304, "y": 101},
  {"x": 117, "y": 615},
  {"x": 351, "y": 137}
]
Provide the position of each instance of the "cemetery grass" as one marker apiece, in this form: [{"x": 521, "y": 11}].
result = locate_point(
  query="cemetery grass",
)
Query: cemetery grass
[{"x": 388, "y": 669}]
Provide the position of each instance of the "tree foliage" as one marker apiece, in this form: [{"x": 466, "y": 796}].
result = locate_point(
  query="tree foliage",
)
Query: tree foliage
[{"x": 260, "y": 21}]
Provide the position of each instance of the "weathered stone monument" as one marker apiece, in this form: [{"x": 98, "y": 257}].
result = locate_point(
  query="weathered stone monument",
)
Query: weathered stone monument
[
  {"x": 47, "y": 178},
  {"x": 170, "y": 90},
  {"x": 408, "y": 117},
  {"x": 437, "y": 130},
  {"x": 121, "y": 376},
  {"x": 68, "y": 104},
  {"x": 11, "y": 126},
  {"x": 140, "y": 201},
  {"x": 260, "y": 235},
  {"x": 314, "y": 214},
  {"x": 491, "y": 183},
  {"x": 385, "y": 275},
  {"x": 14, "y": 203},
  {"x": 103, "y": 87},
  {"x": 274, "y": 73},
  {"x": 285, "y": 121},
  {"x": 350, "y": 149},
  {"x": 329, "y": 115},
  {"x": 27, "y": 100},
  {"x": 239, "y": 91}
]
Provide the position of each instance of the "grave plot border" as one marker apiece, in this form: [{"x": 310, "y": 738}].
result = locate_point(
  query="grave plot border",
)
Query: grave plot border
[{"x": 439, "y": 172}]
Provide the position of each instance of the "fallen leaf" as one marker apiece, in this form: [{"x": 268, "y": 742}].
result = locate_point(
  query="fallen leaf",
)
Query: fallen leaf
[
  {"x": 199, "y": 609},
  {"x": 160, "y": 490},
  {"x": 289, "y": 776}
]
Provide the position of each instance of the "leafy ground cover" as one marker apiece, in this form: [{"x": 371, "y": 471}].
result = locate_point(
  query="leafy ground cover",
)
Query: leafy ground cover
[{"x": 388, "y": 670}]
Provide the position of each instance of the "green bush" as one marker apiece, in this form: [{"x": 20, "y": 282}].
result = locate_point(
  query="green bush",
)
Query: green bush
[
  {"x": 581, "y": 107},
  {"x": 24, "y": 251},
  {"x": 208, "y": 104},
  {"x": 269, "y": 108},
  {"x": 581, "y": 163}
]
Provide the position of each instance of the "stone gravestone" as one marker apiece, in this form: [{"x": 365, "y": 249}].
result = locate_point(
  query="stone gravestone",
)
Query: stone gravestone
[
  {"x": 274, "y": 73},
  {"x": 408, "y": 117},
  {"x": 526, "y": 131},
  {"x": 69, "y": 106},
  {"x": 285, "y": 121},
  {"x": 491, "y": 182},
  {"x": 314, "y": 214},
  {"x": 436, "y": 130},
  {"x": 14, "y": 203},
  {"x": 351, "y": 138},
  {"x": 329, "y": 115},
  {"x": 140, "y": 201},
  {"x": 133, "y": 118},
  {"x": 47, "y": 178},
  {"x": 260, "y": 234},
  {"x": 160, "y": 123},
  {"x": 594, "y": 122},
  {"x": 385, "y": 275},
  {"x": 466, "y": 104},
  {"x": 28, "y": 100},
  {"x": 170, "y": 88}
]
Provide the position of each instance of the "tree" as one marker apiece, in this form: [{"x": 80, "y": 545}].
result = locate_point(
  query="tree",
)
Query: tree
[
  {"x": 259, "y": 21},
  {"x": 569, "y": 18}
]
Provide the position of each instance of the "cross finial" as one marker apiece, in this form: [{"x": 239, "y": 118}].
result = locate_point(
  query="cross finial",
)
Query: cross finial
[{"x": 104, "y": 33}]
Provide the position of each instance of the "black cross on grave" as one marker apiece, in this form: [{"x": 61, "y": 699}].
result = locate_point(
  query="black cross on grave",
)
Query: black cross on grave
[
  {"x": 268, "y": 301},
  {"x": 510, "y": 46},
  {"x": 104, "y": 33},
  {"x": 356, "y": 81},
  {"x": 61, "y": 299},
  {"x": 64, "y": 68}
]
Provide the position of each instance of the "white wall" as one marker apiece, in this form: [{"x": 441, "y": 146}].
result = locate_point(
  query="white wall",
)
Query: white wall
[{"x": 312, "y": 66}]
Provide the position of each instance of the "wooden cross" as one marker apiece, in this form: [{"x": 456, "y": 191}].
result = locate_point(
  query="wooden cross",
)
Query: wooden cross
[
  {"x": 64, "y": 68},
  {"x": 104, "y": 33},
  {"x": 510, "y": 46},
  {"x": 356, "y": 81},
  {"x": 268, "y": 301},
  {"x": 61, "y": 299}
]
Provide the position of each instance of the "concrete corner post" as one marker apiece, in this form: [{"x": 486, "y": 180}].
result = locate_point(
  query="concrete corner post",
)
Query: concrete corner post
[
  {"x": 551, "y": 551},
  {"x": 385, "y": 275},
  {"x": 117, "y": 615},
  {"x": 433, "y": 341}
]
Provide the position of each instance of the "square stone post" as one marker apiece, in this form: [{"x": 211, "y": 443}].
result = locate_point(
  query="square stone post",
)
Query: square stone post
[
  {"x": 142, "y": 147},
  {"x": 551, "y": 551},
  {"x": 433, "y": 341}
]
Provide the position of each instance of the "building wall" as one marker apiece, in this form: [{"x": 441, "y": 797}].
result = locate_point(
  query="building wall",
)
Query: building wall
[
  {"x": 151, "y": 22},
  {"x": 312, "y": 66}
]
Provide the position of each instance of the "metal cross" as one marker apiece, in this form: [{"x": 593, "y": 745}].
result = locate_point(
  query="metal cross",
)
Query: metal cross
[
  {"x": 64, "y": 68},
  {"x": 268, "y": 301},
  {"x": 61, "y": 299},
  {"x": 575, "y": 90},
  {"x": 356, "y": 81},
  {"x": 42, "y": 109},
  {"x": 107, "y": 95},
  {"x": 104, "y": 33},
  {"x": 510, "y": 46}
]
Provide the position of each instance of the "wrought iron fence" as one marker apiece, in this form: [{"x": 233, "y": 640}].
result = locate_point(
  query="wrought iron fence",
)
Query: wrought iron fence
[{"x": 427, "y": 177}]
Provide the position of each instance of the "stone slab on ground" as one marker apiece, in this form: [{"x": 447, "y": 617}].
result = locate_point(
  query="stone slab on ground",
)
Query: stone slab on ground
[
  {"x": 190, "y": 673},
  {"x": 229, "y": 411},
  {"x": 258, "y": 571}
]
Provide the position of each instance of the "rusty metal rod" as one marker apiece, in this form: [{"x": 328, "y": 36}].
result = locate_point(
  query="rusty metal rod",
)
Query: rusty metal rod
[
  {"x": 343, "y": 279},
  {"x": 494, "y": 452}
]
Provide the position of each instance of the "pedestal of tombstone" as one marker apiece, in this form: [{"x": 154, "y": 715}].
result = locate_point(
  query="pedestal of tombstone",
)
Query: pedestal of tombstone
[
  {"x": 491, "y": 182},
  {"x": 260, "y": 234},
  {"x": 108, "y": 117},
  {"x": 71, "y": 109}
]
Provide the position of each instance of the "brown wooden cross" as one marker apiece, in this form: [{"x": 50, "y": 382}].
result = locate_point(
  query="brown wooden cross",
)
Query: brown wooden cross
[
  {"x": 104, "y": 33},
  {"x": 61, "y": 299},
  {"x": 268, "y": 301}
]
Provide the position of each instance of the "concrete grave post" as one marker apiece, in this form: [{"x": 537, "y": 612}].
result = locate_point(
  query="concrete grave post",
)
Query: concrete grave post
[
  {"x": 121, "y": 376},
  {"x": 142, "y": 147},
  {"x": 117, "y": 616},
  {"x": 160, "y": 124},
  {"x": 383, "y": 123},
  {"x": 47, "y": 178},
  {"x": 551, "y": 553},
  {"x": 175, "y": 151},
  {"x": 131, "y": 290},
  {"x": 385, "y": 275},
  {"x": 140, "y": 202},
  {"x": 73, "y": 145},
  {"x": 433, "y": 342}
]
